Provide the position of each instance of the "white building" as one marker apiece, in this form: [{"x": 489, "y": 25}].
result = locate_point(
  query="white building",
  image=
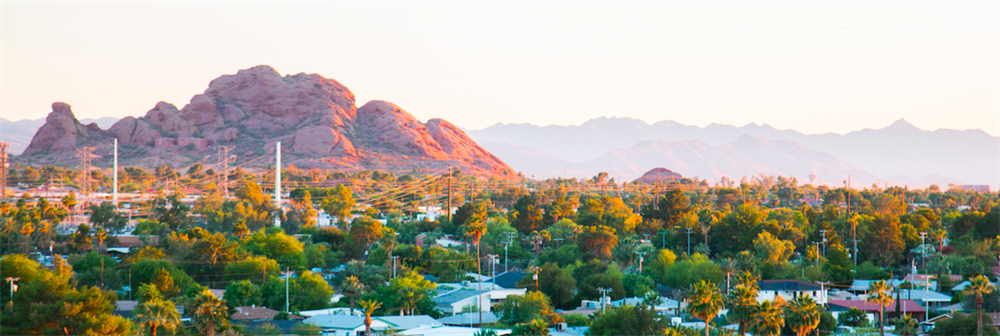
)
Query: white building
[
  {"x": 789, "y": 290},
  {"x": 453, "y": 302}
]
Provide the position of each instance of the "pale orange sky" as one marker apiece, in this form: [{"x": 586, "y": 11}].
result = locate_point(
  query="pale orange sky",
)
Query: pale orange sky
[{"x": 815, "y": 67}]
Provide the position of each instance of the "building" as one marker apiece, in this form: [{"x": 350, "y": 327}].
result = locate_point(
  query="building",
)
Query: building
[
  {"x": 449, "y": 331},
  {"x": 790, "y": 290},
  {"x": 929, "y": 298},
  {"x": 455, "y": 301},
  {"x": 908, "y": 306},
  {"x": 982, "y": 188},
  {"x": 469, "y": 319},
  {"x": 255, "y": 313},
  {"x": 347, "y": 325},
  {"x": 861, "y": 286},
  {"x": 668, "y": 307}
]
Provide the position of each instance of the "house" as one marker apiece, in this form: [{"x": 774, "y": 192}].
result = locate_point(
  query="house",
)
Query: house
[
  {"x": 254, "y": 313},
  {"x": 928, "y": 297},
  {"x": 331, "y": 311},
  {"x": 347, "y": 325},
  {"x": 789, "y": 290},
  {"x": 908, "y": 306},
  {"x": 457, "y": 300},
  {"x": 469, "y": 319},
  {"x": 861, "y": 286},
  {"x": 508, "y": 279},
  {"x": 449, "y": 331},
  {"x": 961, "y": 286},
  {"x": 928, "y": 325},
  {"x": 668, "y": 307},
  {"x": 920, "y": 280}
]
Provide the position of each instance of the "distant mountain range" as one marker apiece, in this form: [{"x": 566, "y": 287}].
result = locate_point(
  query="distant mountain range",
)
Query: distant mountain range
[{"x": 897, "y": 154}]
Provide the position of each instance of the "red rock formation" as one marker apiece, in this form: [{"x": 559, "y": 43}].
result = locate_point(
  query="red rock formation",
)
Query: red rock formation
[
  {"x": 315, "y": 117},
  {"x": 664, "y": 175}
]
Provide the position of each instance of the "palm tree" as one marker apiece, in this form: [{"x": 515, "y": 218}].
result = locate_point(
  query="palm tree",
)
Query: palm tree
[
  {"x": 879, "y": 292},
  {"x": 905, "y": 325},
  {"x": 803, "y": 315},
  {"x": 743, "y": 306},
  {"x": 352, "y": 287},
  {"x": 369, "y": 307},
  {"x": 768, "y": 320},
  {"x": 210, "y": 312},
  {"x": 475, "y": 229},
  {"x": 704, "y": 302},
  {"x": 729, "y": 266},
  {"x": 980, "y": 285},
  {"x": 153, "y": 311}
]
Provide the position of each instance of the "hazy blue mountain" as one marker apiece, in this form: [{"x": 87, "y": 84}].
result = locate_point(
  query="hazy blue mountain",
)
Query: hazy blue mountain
[
  {"x": 19, "y": 133},
  {"x": 970, "y": 156},
  {"x": 104, "y": 122}
]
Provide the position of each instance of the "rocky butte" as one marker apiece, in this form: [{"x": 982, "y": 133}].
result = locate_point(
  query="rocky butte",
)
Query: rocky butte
[{"x": 315, "y": 118}]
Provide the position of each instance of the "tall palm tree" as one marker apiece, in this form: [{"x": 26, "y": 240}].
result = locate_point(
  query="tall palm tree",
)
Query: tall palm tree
[
  {"x": 768, "y": 320},
  {"x": 880, "y": 293},
  {"x": 743, "y": 306},
  {"x": 729, "y": 266},
  {"x": 369, "y": 307},
  {"x": 704, "y": 302},
  {"x": 352, "y": 287},
  {"x": 475, "y": 229},
  {"x": 210, "y": 312},
  {"x": 802, "y": 315},
  {"x": 980, "y": 285}
]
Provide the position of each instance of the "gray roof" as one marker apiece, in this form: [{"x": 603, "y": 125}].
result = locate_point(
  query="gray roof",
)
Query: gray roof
[
  {"x": 862, "y": 285},
  {"x": 410, "y": 322},
  {"x": 788, "y": 286},
  {"x": 336, "y": 321},
  {"x": 454, "y": 296},
  {"x": 919, "y": 295},
  {"x": 469, "y": 318},
  {"x": 961, "y": 286}
]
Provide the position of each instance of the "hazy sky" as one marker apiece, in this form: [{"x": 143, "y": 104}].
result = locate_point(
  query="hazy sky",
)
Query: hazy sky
[{"x": 815, "y": 67}]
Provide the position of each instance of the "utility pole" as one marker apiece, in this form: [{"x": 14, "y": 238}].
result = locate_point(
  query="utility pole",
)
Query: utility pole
[
  {"x": 923, "y": 258},
  {"x": 535, "y": 269},
  {"x": 13, "y": 287},
  {"x": 85, "y": 154},
  {"x": 288, "y": 277},
  {"x": 224, "y": 160},
  {"x": 816, "y": 244},
  {"x": 449, "y": 192},
  {"x": 506, "y": 244},
  {"x": 394, "y": 258},
  {"x": 102, "y": 272},
  {"x": 114, "y": 192},
  {"x": 822, "y": 291},
  {"x": 824, "y": 242},
  {"x": 604, "y": 293},
  {"x": 689, "y": 241},
  {"x": 277, "y": 185},
  {"x": 854, "y": 237},
  {"x": 3, "y": 169},
  {"x": 640, "y": 253},
  {"x": 664, "y": 233}
]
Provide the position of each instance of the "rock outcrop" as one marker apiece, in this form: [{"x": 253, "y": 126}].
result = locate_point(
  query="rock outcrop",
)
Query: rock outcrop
[
  {"x": 315, "y": 118},
  {"x": 659, "y": 175}
]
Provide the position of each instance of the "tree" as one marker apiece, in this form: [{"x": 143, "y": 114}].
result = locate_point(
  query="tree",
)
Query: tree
[
  {"x": 768, "y": 320},
  {"x": 880, "y": 293},
  {"x": 728, "y": 266},
  {"x": 411, "y": 294},
  {"x": 369, "y": 307},
  {"x": 742, "y": 302},
  {"x": 597, "y": 241},
  {"x": 704, "y": 302},
  {"x": 905, "y": 325},
  {"x": 520, "y": 309},
  {"x": 338, "y": 203},
  {"x": 802, "y": 315},
  {"x": 352, "y": 287},
  {"x": 980, "y": 286},
  {"x": 960, "y": 324},
  {"x": 164, "y": 282},
  {"x": 669, "y": 209},
  {"x": 210, "y": 312},
  {"x": 628, "y": 320},
  {"x": 243, "y": 293},
  {"x": 772, "y": 250},
  {"x": 153, "y": 311},
  {"x": 275, "y": 244},
  {"x": 365, "y": 231},
  {"x": 525, "y": 215},
  {"x": 475, "y": 228},
  {"x": 853, "y": 317}
]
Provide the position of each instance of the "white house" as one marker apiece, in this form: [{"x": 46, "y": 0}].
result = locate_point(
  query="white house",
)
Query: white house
[
  {"x": 453, "y": 302},
  {"x": 449, "y": 331},
  {"x": 789, "y": 290},
  {"x": 669, "y": 306},
  {"x": 347, "y": 325}
]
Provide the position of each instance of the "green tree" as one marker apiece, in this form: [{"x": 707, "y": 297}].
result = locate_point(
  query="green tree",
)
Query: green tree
[
  {"x": 628, "y": 320},
  {"x": 411, "y": 294},
  {"x": 980, "y": 286},
  {"x": 905, "y": 325},
  {"x": 365, "y": 231},
  {"x": 853, "y": 317},
  {"x": 534, "y": 328},
  {"x": 742, "y": 302},
  {"x": 526, "y": 216},
  {"x": 533, "y": 305},
  {"x": 153, "y": 311},
  {"x": 243, "y": 293},
  {"x": 277, "y": 245},
  {"x": 772, "y": 250},
  {"x": 880, "y": 293},
  {"x": 352, "y": 287},
  {"x": 960, "y": 324},
  {"x": 802, "y": 315},
  {"x": 338, "y": 203},
  {"x": 704, "y": 302},
  {"x": 597, "y": 241},
  {"x": 210, "y": 313}
]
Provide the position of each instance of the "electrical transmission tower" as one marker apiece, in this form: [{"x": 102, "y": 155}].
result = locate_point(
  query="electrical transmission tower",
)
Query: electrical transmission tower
[
  {"x": 85, "y": 154},
  {"x": 3, "y": 169},
  {"x": 224, "y": 160}
]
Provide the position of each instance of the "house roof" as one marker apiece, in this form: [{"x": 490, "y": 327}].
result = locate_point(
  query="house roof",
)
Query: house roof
[
  {"x": 949, "y": 308},
  {"x": 961, "y": 286},
  {"x": 862, "y": 285},
  {"x": 258, "y": 313},
  {"x": 788, "y": 285},
  {"x": 919, "y": 295},
  {"x": 635, "y": 301},
  {"x": 508, "y": 279},
  {"x": 331, "y": 311},
  {"x": 841, "y": 305},
  {"x": 450, "y": 331},
  {"x": 454, "y": 296},
  {"x": 339, "y": 321},
  {"x": 923, "y": 277},
  {"x": 410, "y": 322},
  {"x": 469, "y": 318}
]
